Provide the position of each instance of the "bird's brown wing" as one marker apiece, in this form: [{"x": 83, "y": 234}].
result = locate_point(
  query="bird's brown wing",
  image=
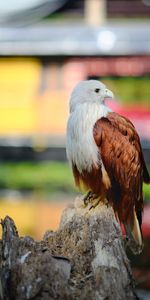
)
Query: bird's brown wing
[
  {"x": 127, "y": 128},
  {"x": 121, "y": 153}
]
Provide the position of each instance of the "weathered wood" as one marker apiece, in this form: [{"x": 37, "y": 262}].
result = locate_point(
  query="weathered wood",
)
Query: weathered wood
[{"x": 84, "y": 259}]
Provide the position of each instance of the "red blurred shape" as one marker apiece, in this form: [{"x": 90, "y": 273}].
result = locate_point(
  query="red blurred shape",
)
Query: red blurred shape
[
  {"x": 146, "y": 221},
  {"x": 138, "y": 115}
]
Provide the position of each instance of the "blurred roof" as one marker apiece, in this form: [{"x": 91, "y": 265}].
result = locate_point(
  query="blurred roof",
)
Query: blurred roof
[
  {"x": 25, "y": 11},
  {"x": 73, "y": 39},
  {"x": 28, "y": 10}
]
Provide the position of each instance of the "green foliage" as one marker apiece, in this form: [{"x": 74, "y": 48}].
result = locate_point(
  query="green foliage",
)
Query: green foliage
[
  {"x": 48, "y": 176},
  {"x": 45, "y": 176},
  {"x": 130, "y": 89},
  {"x": 146, "y": 188}
]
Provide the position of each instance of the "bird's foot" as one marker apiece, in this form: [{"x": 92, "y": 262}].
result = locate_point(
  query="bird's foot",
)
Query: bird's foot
[
  {"x": 88, "y": 197},
  {"x": 95, "y": 202},
  {"x": 91, "y": 198}
]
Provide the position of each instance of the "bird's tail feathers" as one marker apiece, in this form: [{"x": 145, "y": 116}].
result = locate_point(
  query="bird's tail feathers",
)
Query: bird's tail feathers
[{"x": 134, "y": 235}]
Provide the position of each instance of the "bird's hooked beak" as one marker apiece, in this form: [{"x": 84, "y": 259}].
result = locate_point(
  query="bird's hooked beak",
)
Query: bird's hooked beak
[{"x": 108, "y": 94}]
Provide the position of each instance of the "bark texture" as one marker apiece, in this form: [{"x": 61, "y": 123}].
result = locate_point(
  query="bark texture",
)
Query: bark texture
[{"x": 84, "y": 259}]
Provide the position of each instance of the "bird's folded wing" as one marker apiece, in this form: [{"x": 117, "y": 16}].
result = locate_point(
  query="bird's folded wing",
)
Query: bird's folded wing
[{"x": 117, "y": 138}]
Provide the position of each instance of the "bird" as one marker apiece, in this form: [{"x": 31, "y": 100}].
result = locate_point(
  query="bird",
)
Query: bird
[{"x": 105, "y": 154}]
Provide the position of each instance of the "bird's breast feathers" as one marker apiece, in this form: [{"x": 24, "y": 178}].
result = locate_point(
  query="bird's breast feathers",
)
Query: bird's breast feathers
[{"x": 82, "y": 150}]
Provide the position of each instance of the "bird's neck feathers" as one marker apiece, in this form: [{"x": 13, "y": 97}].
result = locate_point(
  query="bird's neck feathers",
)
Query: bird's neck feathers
[
  {"x": 92, "y": 110},
  {"x": 82, "y": 150}
]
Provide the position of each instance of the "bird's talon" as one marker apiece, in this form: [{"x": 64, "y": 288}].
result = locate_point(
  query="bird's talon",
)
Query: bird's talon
[
  {"x": 91, "y": 207},
  {"x": 88, "y": 198}
]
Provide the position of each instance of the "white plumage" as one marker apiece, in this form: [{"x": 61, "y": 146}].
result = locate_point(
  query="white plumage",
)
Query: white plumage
[{"x": 86, "y": 107}]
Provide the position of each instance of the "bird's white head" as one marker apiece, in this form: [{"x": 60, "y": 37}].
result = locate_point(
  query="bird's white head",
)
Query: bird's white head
[{"x": 89, "y": 91}]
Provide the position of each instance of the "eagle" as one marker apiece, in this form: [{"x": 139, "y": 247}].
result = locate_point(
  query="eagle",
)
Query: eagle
[{"x": 105, "y": 153}]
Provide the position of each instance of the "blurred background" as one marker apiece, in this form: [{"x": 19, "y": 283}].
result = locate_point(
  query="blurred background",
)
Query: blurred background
[{"x": 46, "y": 47}]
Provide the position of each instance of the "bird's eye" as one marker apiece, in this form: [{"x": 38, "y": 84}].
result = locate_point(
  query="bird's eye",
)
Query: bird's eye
[{"x": 97, "y": 90}]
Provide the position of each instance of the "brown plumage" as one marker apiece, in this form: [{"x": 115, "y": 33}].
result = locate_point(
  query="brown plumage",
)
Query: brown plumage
[
  {"x": 125, "y": 166},
  {"x": 125, "y": 171},
  {"x": 105, "y": 153}
]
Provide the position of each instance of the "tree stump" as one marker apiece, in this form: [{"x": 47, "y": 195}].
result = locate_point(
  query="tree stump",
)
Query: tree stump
[{"x": 84, "y": 259}]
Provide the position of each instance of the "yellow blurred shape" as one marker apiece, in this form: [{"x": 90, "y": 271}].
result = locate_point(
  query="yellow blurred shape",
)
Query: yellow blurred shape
[
  {"x": 48, "y": 216},
  {"x": 22, "y": 212},
  {"x": 12, "y": 68},
  {"x": 31, "y": 217},
  {"x": 24, "y": 108},
  {"x": 53, "y": 112},
  {"x": 19, "y": 83},
  {"x": 17, "y": 120}
]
